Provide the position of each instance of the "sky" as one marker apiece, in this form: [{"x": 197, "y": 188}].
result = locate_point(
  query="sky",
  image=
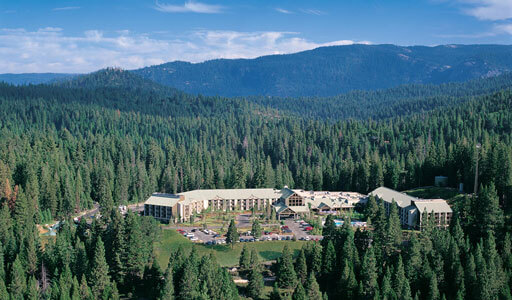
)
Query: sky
[{"x": 83, "y": 36}]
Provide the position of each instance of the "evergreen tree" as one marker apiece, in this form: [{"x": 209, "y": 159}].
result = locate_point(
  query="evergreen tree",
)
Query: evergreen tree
[
  {"x": 299, "y": 293},
  {"x": 386, "y": 289},
  {"x": 32, "y": 289},
  {"x": 255, "y": 260},
  {"x": 433, "y": 290},
  {"x": 301, "y": 268},
  {"x": 487, "y": 212},
  {"x": 75, "y": 292},
  {"x": 313, "y": 289},
  {"x": 99, "y": 278},
  {"x": 85, "y": 291},
  {"x": 232, "y": 235},
  {"x": 3, "y": 290},
  {"x": 167, "y": 291},
  {"x": 348, "y": 281},
  {"x": 275, "y": 294},
  {"x": 245, "y": 259},
  {"x": 328, "y": 265},
  {"x": 189, "y": 287},
  {"x": 393, "y": 234},
  {"x": 256, "y": 284},
  {"x": 286, "y": 277},
  {"x": 17, "y": 286},
  {"x": 369, "y": 275},
  {"x": 256, "y": 229}
]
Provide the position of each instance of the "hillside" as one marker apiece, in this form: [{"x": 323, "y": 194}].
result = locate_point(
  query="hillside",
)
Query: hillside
[
  {"x": 33, "y": 78},
  {"x": 334, "y": 70},
  {"x": 113, "y": 78}
]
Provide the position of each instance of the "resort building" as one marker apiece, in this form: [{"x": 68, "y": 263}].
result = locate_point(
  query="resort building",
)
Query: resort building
[
  {"x": 162, "y": 206},
  {"x": 411, "y": 210},
  {"x": 286, "y": 202}
]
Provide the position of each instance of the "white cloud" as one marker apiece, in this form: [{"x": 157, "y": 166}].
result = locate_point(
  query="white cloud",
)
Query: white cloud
[
  {"x": 50, "y": 50},
  {"x": 489, "y": 9},
  {"x": 313, "y": 12},
  {"x": 66, "y": 8},
  {"x": 283, "y": 11},
  {"x": 190, "y": 7},
  {"x": 504, "y": 28}
]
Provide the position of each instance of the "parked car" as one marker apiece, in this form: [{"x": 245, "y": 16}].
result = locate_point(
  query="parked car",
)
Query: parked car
[{"x": 309, "y": 228}]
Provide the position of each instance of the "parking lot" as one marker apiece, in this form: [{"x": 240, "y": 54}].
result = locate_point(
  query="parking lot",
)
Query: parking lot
[{"x": 291, "y": 229}]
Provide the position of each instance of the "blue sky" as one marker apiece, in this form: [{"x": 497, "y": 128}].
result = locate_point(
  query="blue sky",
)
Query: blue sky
[{"x": 83, "y": 36}]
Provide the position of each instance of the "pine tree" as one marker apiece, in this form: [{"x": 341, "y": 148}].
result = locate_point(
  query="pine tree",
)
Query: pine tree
[
  {"x": 232, "y": 235},
  {"x": 3, "y": 290},
  {"x": 245, "y": 259},
  {"x": 75, "y": 291},
  {"x": 286, "y": 276},
  {"x": 371, "y": 208},
  {"x": 2, "y": 268},
  {"x": 32, "y": 289},
  {"x": 348, "y": 281},
  {"x": 315, "y": 259},
  {"x": 189, "y": 287},
  {"x": 256, "y": 229},
  {"x": 299, "y": 293},
  {"x": 256, "y": 284},
  {"x": 399, "y": 279},
  {"x": 17, "y": 287},
  {"x": 387, "y": 292},
  {"x": 99, "y": 278},
  {"x": 135, "y": 250},
  {"x": 275, "y": 294},
  {"x": 433, "y": 290},
  {"x": 393, "y": 233},
  {"x": 301, "y": 268},
  {"x": 167, "y": 291},
  {"x": 313, "y": 289},
  {"x": 368, "y": 275},
  {"x": 255, "y": 260},
  {"x": 85, "y": 291},
  {"x": 328, "y": 265},
  {"x": 487, "y": 212},
  {"x": 114, "y": 293}
]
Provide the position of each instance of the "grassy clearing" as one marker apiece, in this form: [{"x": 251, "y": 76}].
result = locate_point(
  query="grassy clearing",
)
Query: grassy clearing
[
  {"x": 172, "y": 240},
  {"x": 433, "y": 192}
]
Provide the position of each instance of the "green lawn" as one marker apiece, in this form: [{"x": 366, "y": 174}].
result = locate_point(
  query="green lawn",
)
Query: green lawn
[
  {"x": 171, "y": 240},
  {"x": 433, "y": 192}
]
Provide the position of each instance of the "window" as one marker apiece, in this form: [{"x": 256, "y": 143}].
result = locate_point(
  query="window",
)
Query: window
[{"x": 295, "y": 200}]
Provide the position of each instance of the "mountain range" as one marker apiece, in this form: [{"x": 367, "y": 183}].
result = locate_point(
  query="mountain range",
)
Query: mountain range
[{"x": 325, "y": 71}]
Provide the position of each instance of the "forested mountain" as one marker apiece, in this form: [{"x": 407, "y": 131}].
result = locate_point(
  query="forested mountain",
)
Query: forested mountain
[
  {"x": 334, "y": 70},
  {"x": 114, "y": 78},
  {"x": 386, "y": 103},
  {"x": 63, "y": 148},
  {"x": 33, "y": 78},
  {"x": 326, "y": 71}
]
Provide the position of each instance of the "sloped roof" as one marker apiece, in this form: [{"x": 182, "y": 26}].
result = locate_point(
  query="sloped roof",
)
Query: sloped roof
[
  {"x": 202, "y": 195},
  {"x": 286, "y": 192},
  {"x": 161, "y": 199},
  {"x": 388, "y": 195},
  {"x": 435, "y": 205}
]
